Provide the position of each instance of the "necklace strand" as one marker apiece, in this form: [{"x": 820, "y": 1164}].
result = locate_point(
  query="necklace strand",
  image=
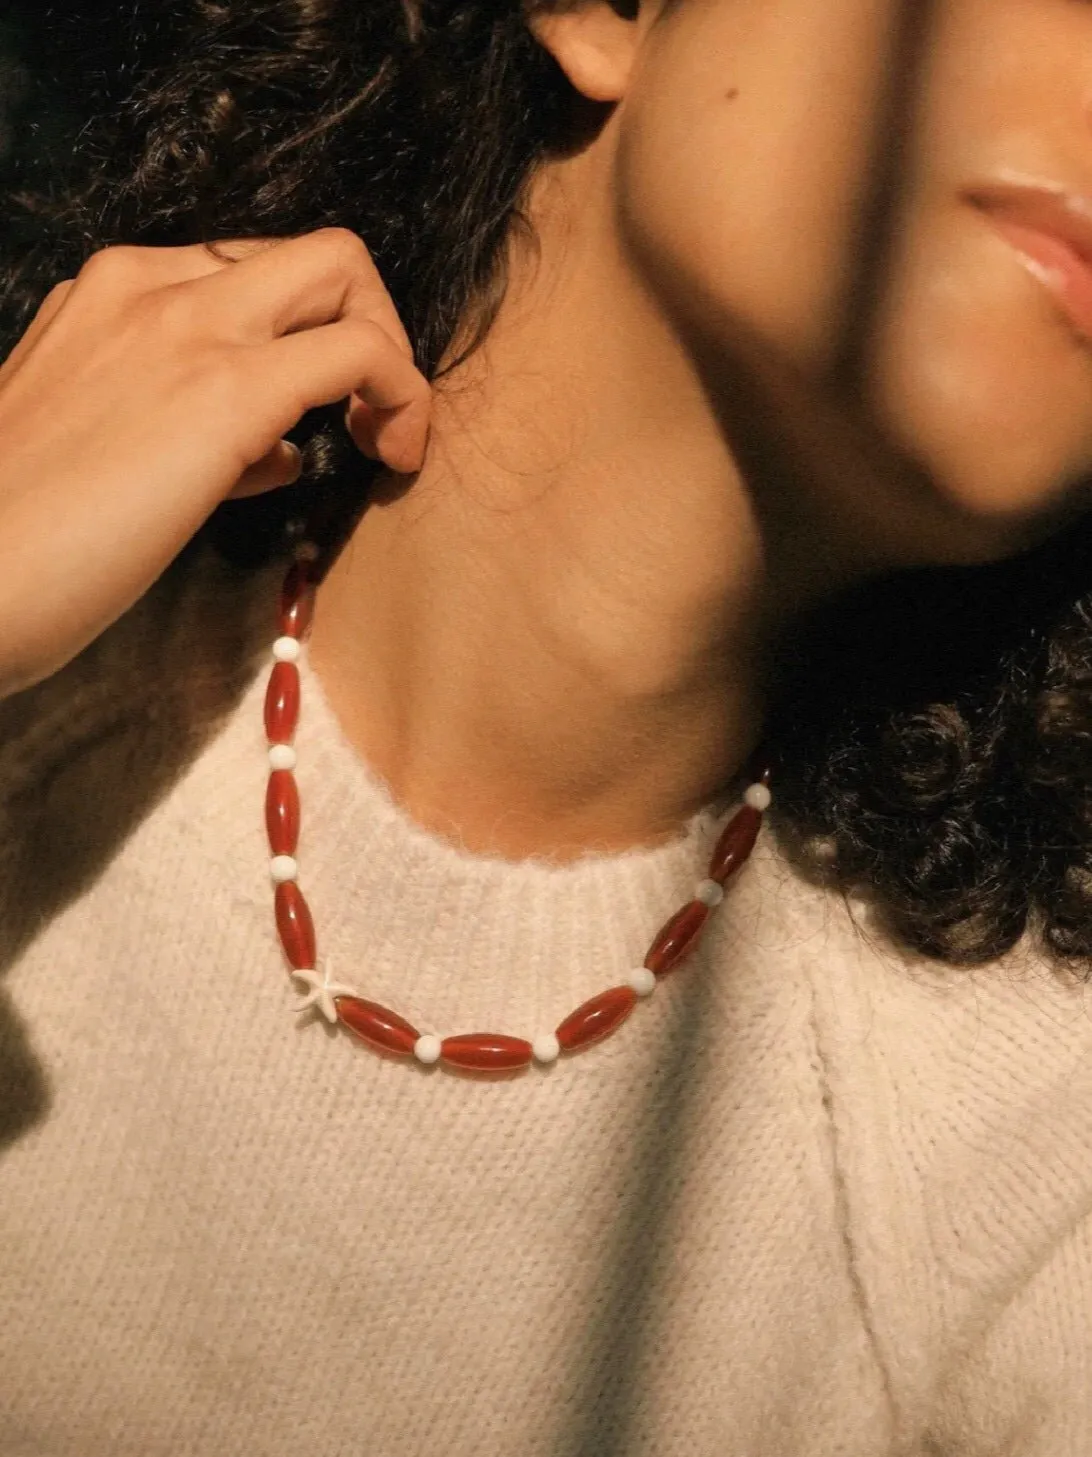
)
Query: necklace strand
[{"x": 378, "y": 1026}]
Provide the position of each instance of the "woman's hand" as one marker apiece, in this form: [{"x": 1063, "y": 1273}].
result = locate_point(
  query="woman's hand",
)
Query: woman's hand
[{"x": 154, "y": 385}]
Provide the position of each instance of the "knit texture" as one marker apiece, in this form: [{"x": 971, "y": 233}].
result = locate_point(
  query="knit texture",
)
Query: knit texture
[{"x": 815, "y": 1197}]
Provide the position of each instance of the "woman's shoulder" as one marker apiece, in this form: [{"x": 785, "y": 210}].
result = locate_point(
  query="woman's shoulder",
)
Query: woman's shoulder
[
  {"x": 86, "y": 754},
  {"x": 951, "y": 1108},
  {"x": 959, "y": 1104}
]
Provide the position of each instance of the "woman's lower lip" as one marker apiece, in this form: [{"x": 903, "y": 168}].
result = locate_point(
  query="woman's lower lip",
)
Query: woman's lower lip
[{"x": 1058, "y": 267}]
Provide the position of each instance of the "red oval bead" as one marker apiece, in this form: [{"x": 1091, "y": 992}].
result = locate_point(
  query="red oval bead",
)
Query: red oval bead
[
  {"x": 677, "y": 937},
  {"x": 282, "y": 812},
  {"x": 297, "y": 930},
  {"x": 377, "y": 1025},
  {"x": 282, "y": 702},
  {"x": 297, "y": 601},
  {"x": 596, "y": 1018},
  {"x": 486, "y": 1051},
  {"x": 735, "y": 844}
]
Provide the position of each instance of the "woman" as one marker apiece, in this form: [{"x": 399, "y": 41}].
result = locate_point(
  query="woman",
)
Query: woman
[{"x": 703, "y": 450}]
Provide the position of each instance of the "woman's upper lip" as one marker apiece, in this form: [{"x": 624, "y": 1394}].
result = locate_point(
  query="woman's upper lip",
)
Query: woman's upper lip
[{"x": 1058, "y": 212}]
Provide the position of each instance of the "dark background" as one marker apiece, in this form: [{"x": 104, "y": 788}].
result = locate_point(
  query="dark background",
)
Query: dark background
[
  {"x": 13, "y": 83},
  {"x": 59, "y": 64}
]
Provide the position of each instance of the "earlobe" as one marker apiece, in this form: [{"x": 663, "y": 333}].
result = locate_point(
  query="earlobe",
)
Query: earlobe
[{"x": 593, "y": 44}]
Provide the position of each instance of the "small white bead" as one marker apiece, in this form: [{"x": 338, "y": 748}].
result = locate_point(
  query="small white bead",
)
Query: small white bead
[
  {"x": 283, "y": 867},
  {"x": 286, "y": 649},
  {"x": 757, "y": 796},
  {"x": 642, "y": 981},
  {"x": 709, "y": 892},
  {"x": 546, "y": 1047},
  {"x": 282, "y": 756},
  {"x": 427, "y": 1048},
  {"x": 305, "y": 551}
]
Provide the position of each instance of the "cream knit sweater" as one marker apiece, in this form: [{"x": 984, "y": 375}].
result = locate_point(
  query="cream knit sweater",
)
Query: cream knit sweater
[{"x": 814, "y": 1197}]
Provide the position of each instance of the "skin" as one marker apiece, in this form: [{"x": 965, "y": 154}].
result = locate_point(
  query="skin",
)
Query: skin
[{"x": 555, "y": 639}]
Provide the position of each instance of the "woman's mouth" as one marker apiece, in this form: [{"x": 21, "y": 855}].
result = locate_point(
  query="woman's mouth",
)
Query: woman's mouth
[{"x": 1051, "y": 230}]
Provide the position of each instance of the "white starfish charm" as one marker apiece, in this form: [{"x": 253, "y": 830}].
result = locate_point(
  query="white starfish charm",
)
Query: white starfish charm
[{"x": 323, "y": 991}]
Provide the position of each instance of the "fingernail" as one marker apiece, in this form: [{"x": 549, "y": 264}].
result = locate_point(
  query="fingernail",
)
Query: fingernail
[{"x": 295, "y": 455}]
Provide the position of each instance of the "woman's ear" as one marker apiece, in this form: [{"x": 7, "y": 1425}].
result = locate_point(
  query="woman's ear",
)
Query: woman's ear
[{"x": 592, "y": 43}]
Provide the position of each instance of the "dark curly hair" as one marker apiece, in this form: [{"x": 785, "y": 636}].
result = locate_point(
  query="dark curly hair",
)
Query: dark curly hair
[{"x": 932, "y": 733}]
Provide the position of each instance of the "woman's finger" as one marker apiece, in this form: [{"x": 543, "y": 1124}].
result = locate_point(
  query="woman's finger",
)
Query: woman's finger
[
  {"x": 322, "y": 366},
  {"x": 300, "y": 283},
  {"x": 362, "y": 421}
]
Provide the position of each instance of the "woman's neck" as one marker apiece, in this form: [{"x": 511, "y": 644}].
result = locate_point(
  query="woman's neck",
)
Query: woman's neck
[
  {"x": 553, "y": 639},
  {"x": 545, "y": 698}
]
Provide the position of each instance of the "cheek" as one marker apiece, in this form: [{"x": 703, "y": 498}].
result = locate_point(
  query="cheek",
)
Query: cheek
[
  {"x": 976, "y": 378},
  {"x": 742, "y": 155}
]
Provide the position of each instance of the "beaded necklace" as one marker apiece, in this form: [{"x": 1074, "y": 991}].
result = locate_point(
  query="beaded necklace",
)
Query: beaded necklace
[{"x": 378, "y": 1026}]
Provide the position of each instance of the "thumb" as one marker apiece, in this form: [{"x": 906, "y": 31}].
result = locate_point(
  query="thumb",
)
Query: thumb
[{"x": 280, "y": 466}]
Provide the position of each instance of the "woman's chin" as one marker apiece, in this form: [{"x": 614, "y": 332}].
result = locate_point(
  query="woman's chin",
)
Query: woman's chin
[{"x": 1004, "y": 449}]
